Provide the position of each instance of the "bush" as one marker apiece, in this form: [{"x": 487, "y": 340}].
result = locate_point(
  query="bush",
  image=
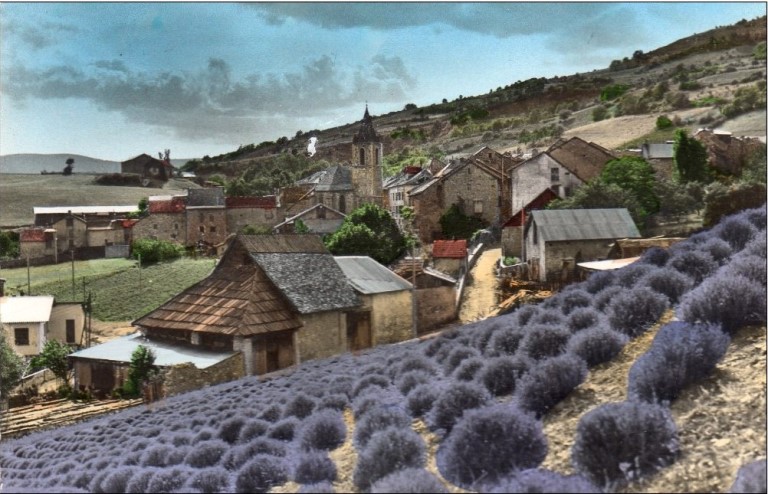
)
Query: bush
[
  {"x": 208, "y": 480},
  {"x": 334, "y": 401},
  {"x": 154, "y": 251},
  {"x": 377, "y": 420},
  {"x": 695, "y": 264},
  {"x": 735, "y": 230},
  {"x": 319, "y": 488},
  {"x": 456, "y": 357},
  {"x": 629, "y": 276},
  {"x": 301, "y": 406},
  {"x": 468, "y": 369},
  {"x": 284, "y": 430},
  {"x": 453, "y": 402},
  {"x": 524, "y": 314},
  {"x": 583, "y": 318},
  {"x": 253, "y": 429},
  {"x": 622, "y": 442},
  {"x": 323, "y": 430},
  {"x": 490, "y": 443},
  {"x": 409, "y": 480},
  {"x": 206, "y": 454},
  {"x": 421, "y": 399},
  {"x": 118, "y": 480},
  {"x": 599, "y": 281},
  {"x": 750, "y": 266},
  {"x": 596, "y": 345},
  {"x": 230, "y": 429},
  {"x": 541, "y": 480},
  {"x": 681, "y": 354},
  {"x": 668, "y": 282},
  {"x": 634, "y": 311},
  {"x": 314, "y": 467},
  {"x": 387, "y": 452},
  {"x": 574, "y": 299},
  {"x": 414, "y": 363},
  {"x": 167, "y": 480},
  {"x": 367, "y": 381},
  {"x": 261, "y": 474},
  {"x": 606, "y": 296},
  {"x": 547, "y": 383},
  {"x": 719, "y": 249},
  {"x": 750, "y": 477},
  {"x": 542, "y": 341},
  {"x": 502, "y": 373},
  {"x": 504, "y": 341},
  {"x": 732, "y": 301},
  {"x": 272, "y": 413},
  {"x": 655, "y": 256}
]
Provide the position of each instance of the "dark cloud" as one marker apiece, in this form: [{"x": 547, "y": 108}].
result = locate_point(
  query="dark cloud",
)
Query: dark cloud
[
  {"x": 36, "y": 36},
  {"x": 210, "y": 101}
]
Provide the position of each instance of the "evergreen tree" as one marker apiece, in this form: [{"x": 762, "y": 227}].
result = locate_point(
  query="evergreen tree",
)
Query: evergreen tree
[
  {"x": 690, "y": 159},
  {"x": 636, "y": 176}
]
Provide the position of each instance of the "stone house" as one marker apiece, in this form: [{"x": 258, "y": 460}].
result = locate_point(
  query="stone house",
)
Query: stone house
[
  {"x": 28, "y": 322},
  {"x": 436, "y": 294},
  {"x": 319, "y": 219},
  {"x": 37, "y": 242},
  {"x": 398, "y": 186},
  {"x": 512, "y": 229},
  {"x": 153, "y": 171},
  {"x": 661, "y": 156},
  {"x": 251, "y": 211},
  {"x": 331, "y": 187},
  {"x": 166, "y": 221},
  {"x": 277, "y": 299},
  {"x": 450, "y": 256},
  {"x": 727, "y": 153},
  {"x": 563, "y": 167},
  {"x": 386, "y": 313},
  {"x": 556, "y": 240},
  {"x": 206, "y": 216}
]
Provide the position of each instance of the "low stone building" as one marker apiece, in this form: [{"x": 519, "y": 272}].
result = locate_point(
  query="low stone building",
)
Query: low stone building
[
  {"x": 319, "y": 219},
  {"x": 512, "y": 229},
  {"x": 450, "y": 256}
]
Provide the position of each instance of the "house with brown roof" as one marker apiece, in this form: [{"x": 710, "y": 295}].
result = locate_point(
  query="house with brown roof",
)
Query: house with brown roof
[
  {"x": 450, "y": 256},
  {"x": 153, "y": 172},
  {"x": 251, "y": 211},
  {"x": 512, "y": 229},
  {"x": 278, "y": 299}
]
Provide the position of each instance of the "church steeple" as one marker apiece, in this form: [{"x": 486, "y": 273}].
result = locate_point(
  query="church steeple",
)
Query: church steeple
[{"x": 366, "y": 133}]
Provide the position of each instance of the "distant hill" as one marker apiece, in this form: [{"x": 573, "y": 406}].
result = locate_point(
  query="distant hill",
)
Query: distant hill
[{"x": 37, "y": 163}]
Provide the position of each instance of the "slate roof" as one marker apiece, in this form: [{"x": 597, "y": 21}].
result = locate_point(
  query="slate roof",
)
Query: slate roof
[
  {"x": 584, "y": 159},
  {"x": 584, "y": 224},
  {"x": 369, "y": 277},
  {"x": 232, "y": 300},
  {"x": 213, "y": 196},
  {"x": 312, "y": 282},
  {"x": 293, "y": 218},
  {"x": 366, "y": 133},
  {"x": 166, "y": 354},
  {"x": 409, "y": 176},
  {"x": 25, "y": 309},
  {"x": 306, "y": 243},
  {"x": 450, "y": 249},
  {"x": 662, "y": 150},
  {"x": 333, "y": 179}
]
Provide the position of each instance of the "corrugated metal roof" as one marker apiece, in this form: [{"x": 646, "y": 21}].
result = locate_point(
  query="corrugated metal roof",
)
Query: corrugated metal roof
[
  {"x": 25, "y": 309},
  {"x": 166, "y": 354},
  {"x": 84, "y": 209},
  {"x": 369, "y": 277},
  {"x": 584, "y": 224}
]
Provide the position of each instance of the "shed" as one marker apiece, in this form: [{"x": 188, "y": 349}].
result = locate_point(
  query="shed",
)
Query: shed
[{"x": 450, "y": 256}]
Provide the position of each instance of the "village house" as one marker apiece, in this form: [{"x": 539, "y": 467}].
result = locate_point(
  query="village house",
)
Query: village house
[
  {"x": 512, "y": 229},
  {"x": 398, "y": 186},
  {"x": 386, "y": 313},
  {"x": 450, "y": 256},
  {"x": 555, "y": 241},
  {"x": 319, "y": 219},
  {"x": 28, "y": 322},
  {"x": 661, "y": 156},
  {"x": 436, "y": 294},
  {"x": 251, "y": 211},
  {"x": 154, "y": 172},
  {"x": 727, "y": 153}
]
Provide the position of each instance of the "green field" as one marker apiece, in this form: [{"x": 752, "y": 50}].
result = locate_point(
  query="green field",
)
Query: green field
[{"x": 120, "y": 290}]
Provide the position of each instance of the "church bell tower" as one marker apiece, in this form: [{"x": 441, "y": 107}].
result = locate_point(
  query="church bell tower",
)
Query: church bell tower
[{"x": 367, "y": 161}]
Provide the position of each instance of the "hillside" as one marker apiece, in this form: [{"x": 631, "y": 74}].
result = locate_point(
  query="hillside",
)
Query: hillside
[{"x": 30, "y": 163}]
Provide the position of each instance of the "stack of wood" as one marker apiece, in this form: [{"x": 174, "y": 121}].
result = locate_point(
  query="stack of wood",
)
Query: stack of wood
[
  {"x": 405, "y": 267},
  {"x": 515, "y": 292}
]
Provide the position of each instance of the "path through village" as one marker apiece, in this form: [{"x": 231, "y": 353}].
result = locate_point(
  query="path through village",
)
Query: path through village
[{"x": 479, "y": 298}]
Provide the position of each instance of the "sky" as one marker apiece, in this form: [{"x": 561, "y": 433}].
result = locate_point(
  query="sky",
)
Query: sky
[{"x": 114, "y": 80}]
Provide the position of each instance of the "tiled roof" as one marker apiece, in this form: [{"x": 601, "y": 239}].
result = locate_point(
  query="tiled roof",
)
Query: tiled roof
[
  {"x": 541, "y": 200},
  {"x": 370, "y": 277},
  {"x": 584, "y": 159},
  {"x": 584, "y": 224},
  {"x": 232, "y": 300},
  {"x": 453, "y": 249},
  {"x": 32, "y": 235},
  {"x": 175, "y": 204},
  {"x": 264, "y": 202},
  {"x": 313, "y": 282},
  {"x": 264, "y": 244}
]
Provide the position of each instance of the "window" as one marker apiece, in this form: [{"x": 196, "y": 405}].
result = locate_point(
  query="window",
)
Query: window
[
  {"x": 154, "y": 226},
  {"x": 210, "y": 217},
  {"x": 212, "y": 229},
  {"x": 70, "y": 331},
  {"x": 362, "y": 157},
  {"x": 555, "y": 174},
  {"x": 535, "y": 235},
  {"x": 478, "y": 207},
  {"x": 202, "y": 228},
  {"x": 21, "y": 336},
  {"x": 175, "y": 226},
  {"x": 321, "y": 213}
]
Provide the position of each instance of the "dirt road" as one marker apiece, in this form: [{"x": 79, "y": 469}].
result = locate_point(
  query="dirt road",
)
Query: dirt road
[{"x": 480, "y": 292}]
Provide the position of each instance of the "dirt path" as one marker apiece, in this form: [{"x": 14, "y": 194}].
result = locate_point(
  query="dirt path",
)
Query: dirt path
[{"x": 479, "y": 297}]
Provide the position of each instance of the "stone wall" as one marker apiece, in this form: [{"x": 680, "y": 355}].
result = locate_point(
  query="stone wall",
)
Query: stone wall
[
  {"x": 238, "y": 218},
  {"x": 476, "y": 191},
  {"x": 428, "y": 206},
  {"x": 551, "y": 263},
  {"x": 435, "y": 306},
  {"x": 512, "y": 241},
  {"x": 206, "y": 223},
  {"x": 186, "y": 377},
  {"x": 535, "y": 175},
  {"x": 392, "y": 317},
  {"x": 170, "y": 227},
  {"x": 322, "y": 335}
]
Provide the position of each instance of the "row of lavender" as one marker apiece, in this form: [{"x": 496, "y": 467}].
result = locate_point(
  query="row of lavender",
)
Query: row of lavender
[{"x": 483, "y": 389}]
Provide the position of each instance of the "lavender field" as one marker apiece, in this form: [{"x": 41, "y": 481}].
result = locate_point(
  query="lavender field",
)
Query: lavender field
[{"x": 477, "y": 397}]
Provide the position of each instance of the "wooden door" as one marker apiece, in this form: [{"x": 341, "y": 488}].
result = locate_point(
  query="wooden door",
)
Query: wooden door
[{"x": 359, "y": 331}]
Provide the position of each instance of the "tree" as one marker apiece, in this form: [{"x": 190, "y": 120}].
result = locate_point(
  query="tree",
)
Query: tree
[
  {"x": 455, "y": 224},
  {"x": 300, "y": 227},
  {"x": 634, "y": 175},
  {"x": 690, "y": 158},
  {"x": 53, "y": 357},
  {"x": 11, "y": 368},
  {"x": 370, "y": 231},
  {"x": 9, "y": 245},
  {"x": 141, "y": 369},
  {"x": 597, "y": 194}
]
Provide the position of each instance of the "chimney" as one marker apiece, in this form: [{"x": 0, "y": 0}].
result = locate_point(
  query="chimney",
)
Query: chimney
[{"x": 2, "y": 287}]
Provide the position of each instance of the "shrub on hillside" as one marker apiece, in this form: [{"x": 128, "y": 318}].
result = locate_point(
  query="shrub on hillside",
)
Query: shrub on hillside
[
  {"x": 732, "y": 301},
  {"x": 387, "y": 452},
  {"x": 524, "y": 314},
  {"x": 252, "y": 429},
  {"x": 456, "y": 357},
  {"x": 501, "y": 374},
  {"x": 333, "y": 401},
  {"x": 750, "y": 477},
  {"x": 154, "y": 251},
  {"x": 409, "y": 481},
  {"x": 548, "y": 382},
  {"x": 167, "y": 480},
  {"x": 490, "y": 443},
  {"x": 681, "y": 354},
  {"x": 272, "y": 413},
  {"x": 748, "y": 265},
  {"x": 542, "y": 480},
  {"x": 261, "y": 474},
  {"x": 324, "y": 430},
  {"x": 574, "y": 299},
  {"x": 301, "y": 406},
  {"x": 207, "y": 480},
  {"x": 606, "y": 296},
  {"x": 596, "y": 344},
  {"x": 599, "y": 281},
  {"x": 377, "y": 420},
  {"x": 206, "y": 454},
  {"x": 284, "y": 430},
  {"x": 412, "y": 363},
  {"x": 409, "y": 380},
  {"x": 655, "y": 256},
  {"x": 542, "y": 341},
  {"x": 368, "y": 381},
  {"x": 634, "y": 311},
  {"x": 628, "y": 276},
  {"x": 583, "y": 318},
  {"x": 319, "y": 488},
  {"x": 229, "y": 430},
  {"x": 504, "y": 341},
  {"x": 736, "y": 230},
  {"x": 456, "y": 399},
  {"x": 668, "y": 282},
  {"x": 697, "y": 265},
  {"x": 617, "y": 443},
  {"x": 719, "y": 249},
  {"x": 314, "y": 467},
  {"x": 421, "y": 399}
]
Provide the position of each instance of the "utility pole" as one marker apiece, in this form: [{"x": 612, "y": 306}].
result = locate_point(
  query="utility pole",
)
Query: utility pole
[
  {"x": 72, "y": 254},
  {"x": 139, "y": 255},
  {"x": 29, "y": 284}
]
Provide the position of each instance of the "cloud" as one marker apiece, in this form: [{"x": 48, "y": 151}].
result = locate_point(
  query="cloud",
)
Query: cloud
[
  {"x": 35, "y": 36},
  {"x": 209, "y": 103}
]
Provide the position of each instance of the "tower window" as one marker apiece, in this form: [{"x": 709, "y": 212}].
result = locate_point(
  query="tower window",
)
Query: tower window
[{"x": 362, "y": 156}]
